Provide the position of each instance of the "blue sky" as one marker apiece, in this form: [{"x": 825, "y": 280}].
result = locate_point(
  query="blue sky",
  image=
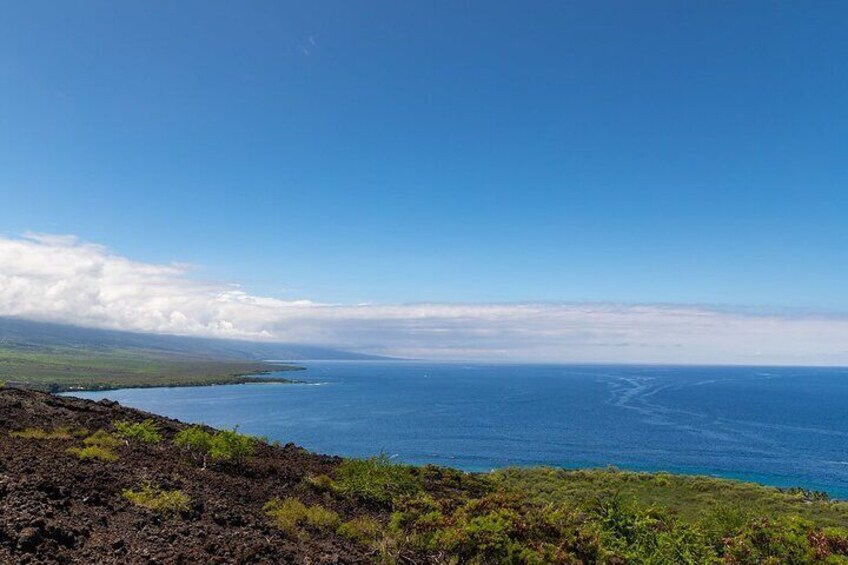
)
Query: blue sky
[{"x": 393, "y": 152}]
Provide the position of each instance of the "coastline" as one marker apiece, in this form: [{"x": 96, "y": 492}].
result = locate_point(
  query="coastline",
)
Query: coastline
[
  {"x": 288, "y": 504},
  {"x": 241, "y": 379},
  {"x": 248, "y": 376},
  {"x": 335, "y": 420}
]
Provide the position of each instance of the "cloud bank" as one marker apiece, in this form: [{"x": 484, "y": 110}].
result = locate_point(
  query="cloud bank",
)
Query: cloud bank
[{"x": 63, "y": 279}]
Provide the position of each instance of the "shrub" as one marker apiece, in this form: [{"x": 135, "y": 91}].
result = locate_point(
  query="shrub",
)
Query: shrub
[
  {"x": 321, "y": 483},
  {"x": 94, "y": 452},
  {"x": 158, "y": 500},
  {"x": 376, "y": 479},
  {"x": 771, "y": 542},
  {"x": 364, "y": 530},
  {"x": 721, "y": 523},
  {"x": 500, "y": 527},
  {"x": 650, "y": 535},
  {"x": 145, "y": 431},
  {"x": 196, "y": 441},
  {"x": 289, "y": 514},
  {"x": 286, "y": 514},
  {"x": 485, "y": 530},
  {"x": 321, "y": 518},
  {"x": 98, "y": 445},
  {"x": 231, "y": 446},
  {"x": 226, "y": 445},
  {"x": 419, "y": 519}
]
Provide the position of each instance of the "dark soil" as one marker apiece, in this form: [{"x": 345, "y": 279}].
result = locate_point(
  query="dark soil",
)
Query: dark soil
[{"x": 55, "y": 508}]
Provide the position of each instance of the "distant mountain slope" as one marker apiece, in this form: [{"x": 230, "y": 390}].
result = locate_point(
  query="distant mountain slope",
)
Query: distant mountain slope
[{"x": 16, "y": 333}]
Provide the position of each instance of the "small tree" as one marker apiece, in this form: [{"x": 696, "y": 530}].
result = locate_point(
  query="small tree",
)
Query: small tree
[
  {"x": 226, "y": 445},
  {"x": 145, "y": 431},
  {"x": 196, "y": 441},
  {"x": 229, "y": 445}
]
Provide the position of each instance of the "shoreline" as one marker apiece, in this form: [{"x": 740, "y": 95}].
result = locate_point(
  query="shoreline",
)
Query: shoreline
[
  {"x": 820, "y": 492},
  {"x": 812, "y": 482},
  {"x": 283, "y": 502},
  {"x": 635, "y": 472},
  {"x": 247, "y": 377}
]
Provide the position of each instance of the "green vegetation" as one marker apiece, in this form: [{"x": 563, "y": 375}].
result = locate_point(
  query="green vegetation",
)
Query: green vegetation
[
  {"x": 402, "y": 514},
  {"x": 102, "y": 438},
  {"x": 688, "y": 497},
  {"x": 231, "y": 446},
  {"x": 376, "y": 479},
  {"x": 158, "y": 500},
  {"x": 224, "y": 446},
  {"x": 145, "y": 432},
  {"x": 93, "y": 452},
  {"x": 57, "y": 369},
  {"x": 195, "y": 441},
  {"x": 363, "y": 530},
  {"x": 290, "y": 515},
  {"x": 39, "y": 433},
  {"x": 100, "y": 445},
  {"x": 559, "y": 517}
]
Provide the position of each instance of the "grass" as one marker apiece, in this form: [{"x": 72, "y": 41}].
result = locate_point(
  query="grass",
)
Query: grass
[
  {"x": 376, "y": 479},
  {"x": 364, "y": 530},
  {"x": 100, "y": 446},
  {"x": 103, "y": 439},
  {"x": 290, "y": 514},
  {"x": 550, "y": 516},
  {"x": 559, "y": 517},
  {"x": 94, "y": 452},
  {"x": 159, "y": 500},
  {"x": 689, "y": 497},
  {"x": 42, "y": 434},
  {"x": 58, "y": 369}
]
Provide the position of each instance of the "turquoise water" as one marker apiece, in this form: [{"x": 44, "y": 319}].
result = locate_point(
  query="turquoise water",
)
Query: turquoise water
[{"x": 778, "y": 426}]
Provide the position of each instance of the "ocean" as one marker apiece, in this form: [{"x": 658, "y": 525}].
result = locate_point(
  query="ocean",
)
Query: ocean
[{"x": 783, "y": 426}]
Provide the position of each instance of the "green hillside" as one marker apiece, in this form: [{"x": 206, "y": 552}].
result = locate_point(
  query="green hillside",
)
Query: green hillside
[{"x": 62, "y": 368}]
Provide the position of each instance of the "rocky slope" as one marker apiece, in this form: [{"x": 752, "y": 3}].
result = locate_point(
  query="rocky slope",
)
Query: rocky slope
[{"x": 55, "y": 508}]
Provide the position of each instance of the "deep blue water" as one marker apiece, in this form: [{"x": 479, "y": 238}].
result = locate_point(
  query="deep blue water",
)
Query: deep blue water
[{"x": 778, "y": 426}]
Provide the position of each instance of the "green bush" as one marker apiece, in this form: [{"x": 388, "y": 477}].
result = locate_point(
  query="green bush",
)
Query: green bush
[
  {"x": 649, "y": 535},
  {"x": 486, "y": 530},
  {"x": 765, "y": 541},
  {"x": 93, "y": 452},
  {"x": 286, "y": 514},
  {"x": 321, "y": 518},
  {"x": 145, "y": 431},
  {"x": 376, "y": 479},
  {"x": 721, "y": 523},
  {"x": 418, "y": 520},
  {"x": 364, "y": 530},
  {"x": 196, "y": 441},
  {"x": 555, "y": 517},
  {"x": 290, "y": 514},
  {"x": 226, "y": 445},
  {"x": 158, "y": 500},
  {"x": 99, "y": 445},
  {"x": 231, "y": 446}
]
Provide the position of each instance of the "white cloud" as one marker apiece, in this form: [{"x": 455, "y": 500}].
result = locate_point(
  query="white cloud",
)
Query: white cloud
[{"x": 59, "y": 278}]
